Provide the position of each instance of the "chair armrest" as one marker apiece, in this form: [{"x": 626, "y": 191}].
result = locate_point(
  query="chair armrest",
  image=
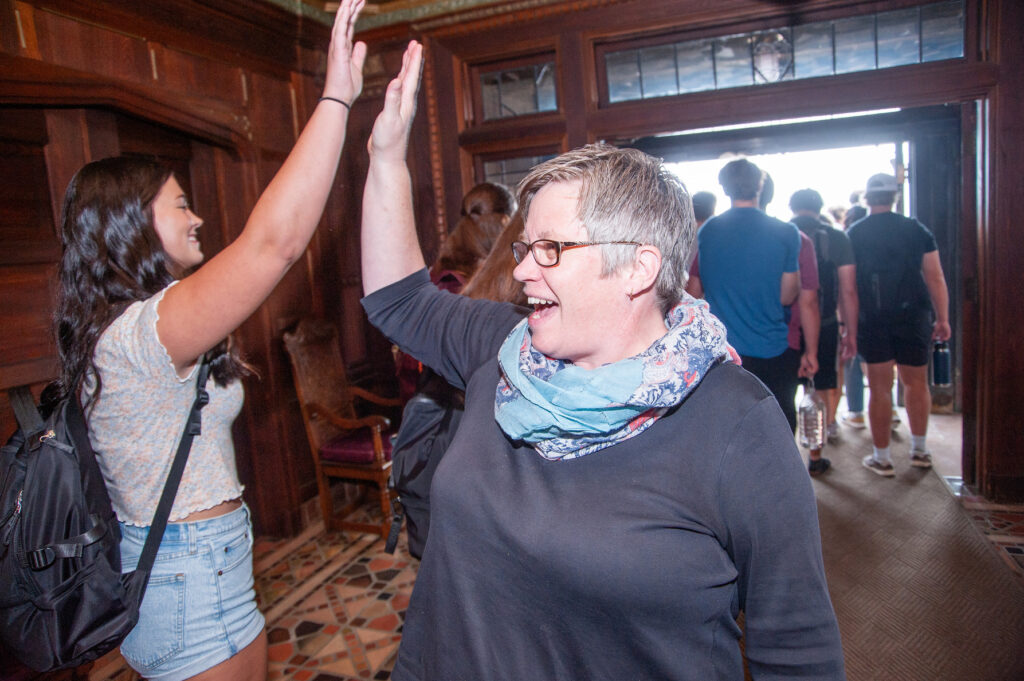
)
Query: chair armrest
[
  {"x": 375, "y": 398},
  {"x": 373, "y": 421}
]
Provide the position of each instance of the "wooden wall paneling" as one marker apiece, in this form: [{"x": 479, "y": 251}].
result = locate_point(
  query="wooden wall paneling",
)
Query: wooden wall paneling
[
  {"x": 19, "y": 33},
  {"x": 251, "y": 33},
  {"x": 92, "y": 48},
  {"x": 183, "y": 72},
  {"x": 27, "y": 261}
]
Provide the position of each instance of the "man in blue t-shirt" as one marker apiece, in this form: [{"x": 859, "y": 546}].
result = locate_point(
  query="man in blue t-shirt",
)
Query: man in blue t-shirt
[{"x": 748, "y": 273}]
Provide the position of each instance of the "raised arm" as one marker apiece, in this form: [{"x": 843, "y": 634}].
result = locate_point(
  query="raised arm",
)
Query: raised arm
[
  {"x": 390, "y": 247},
  {"x": 206, "y": 306}
]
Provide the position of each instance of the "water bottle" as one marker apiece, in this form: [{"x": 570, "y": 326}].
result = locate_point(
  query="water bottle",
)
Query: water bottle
[
  {"x": 941, "y": 365},
  {"x": 811, "y": 419}
]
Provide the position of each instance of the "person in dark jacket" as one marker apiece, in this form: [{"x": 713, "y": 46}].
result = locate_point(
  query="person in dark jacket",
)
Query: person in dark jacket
[{"x": 619, "y": 489}]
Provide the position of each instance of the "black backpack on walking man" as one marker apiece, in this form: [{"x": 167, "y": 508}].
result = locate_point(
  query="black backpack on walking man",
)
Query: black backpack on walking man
[
  {"x": 63, "y": 599},
  {"x": 828, "y": 270}
]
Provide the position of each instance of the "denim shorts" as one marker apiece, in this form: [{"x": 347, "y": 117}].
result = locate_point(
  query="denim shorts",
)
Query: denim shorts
[{"x": 199, "y": 608}]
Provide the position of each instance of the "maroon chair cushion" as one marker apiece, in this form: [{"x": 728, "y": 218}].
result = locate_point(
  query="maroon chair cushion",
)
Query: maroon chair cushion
[{"x": 357, "y": 448}]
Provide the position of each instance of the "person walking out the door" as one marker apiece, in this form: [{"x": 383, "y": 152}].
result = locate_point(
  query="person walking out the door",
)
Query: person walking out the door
[{"x": 904, "y": 305}]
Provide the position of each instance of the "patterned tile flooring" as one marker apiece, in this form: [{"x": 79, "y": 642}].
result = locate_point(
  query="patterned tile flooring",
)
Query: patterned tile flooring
[
  {"x": 335, "y": 604},
  {"x": 1002, "y": 524}
]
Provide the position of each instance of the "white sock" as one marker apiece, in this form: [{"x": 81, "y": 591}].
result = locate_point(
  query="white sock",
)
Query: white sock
[
  {"x": 917, "y": 443},
  {"x": 882, "y": 455}
]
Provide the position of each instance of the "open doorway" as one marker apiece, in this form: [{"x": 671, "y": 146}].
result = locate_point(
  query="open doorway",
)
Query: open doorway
[{"x": 836, "y": 156}]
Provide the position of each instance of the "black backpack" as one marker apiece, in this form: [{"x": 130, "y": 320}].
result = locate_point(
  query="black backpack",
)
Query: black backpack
[
  {"x": 429, "y": 420},
  {"x": 63, "y": 599},
  {"x": 889, "y": 281},
  {"x": 828, "y": 270}
]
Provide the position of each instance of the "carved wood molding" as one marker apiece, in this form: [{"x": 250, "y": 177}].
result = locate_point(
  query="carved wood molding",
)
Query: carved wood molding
[
  {"x": 31, "y": 82},
  {"x": 434, "y": 142},
  {"x": 491, "y": 16}
]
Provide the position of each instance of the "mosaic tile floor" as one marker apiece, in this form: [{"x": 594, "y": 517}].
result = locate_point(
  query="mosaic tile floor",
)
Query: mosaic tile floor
[
  {"x": 1002, "y": 524},
  {"x": 334, "y": 604}
]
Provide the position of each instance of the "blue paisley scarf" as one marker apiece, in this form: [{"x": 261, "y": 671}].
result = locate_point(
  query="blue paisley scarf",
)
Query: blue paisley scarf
[{"x": 566, "y": 411}]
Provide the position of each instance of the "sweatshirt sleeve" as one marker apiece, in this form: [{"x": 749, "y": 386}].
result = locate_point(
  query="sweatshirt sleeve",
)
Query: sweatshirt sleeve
[
  {"x": 769, "y": 509},
  {"x": 451, "y": 334}
]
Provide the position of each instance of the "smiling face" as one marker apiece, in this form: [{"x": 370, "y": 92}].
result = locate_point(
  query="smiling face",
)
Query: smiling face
[
  {"x": 177, "y": 226},
  {"x": 579, "y": 315}
]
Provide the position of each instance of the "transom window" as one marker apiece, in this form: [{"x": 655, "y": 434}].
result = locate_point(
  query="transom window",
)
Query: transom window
[
  {"x": 864, "y": 43},
  {"x": 518, "y": 90}
]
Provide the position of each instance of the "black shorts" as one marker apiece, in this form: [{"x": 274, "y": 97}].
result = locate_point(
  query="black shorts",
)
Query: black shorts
[
  {"x": 906, "y": 339},
  {"x": 827, "y": 377}
]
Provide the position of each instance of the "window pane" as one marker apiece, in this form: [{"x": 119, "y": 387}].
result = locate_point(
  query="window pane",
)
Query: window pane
[
  {"x": 518, "y": 92},
  {"x": 492, "y": 169},
  {"x": 898, "y": 38},
  {"x": 732, "y": 62},
  {"x": 812, "y": 47},
  {"x": 490, "y": 95},
  {"x": 696, "y": 65},
  {"x": 658, "y": 71},
  {"x": 773, "y": 56},
  {"x": 855, "y": 44},
  {"x": 942, "y": 31},
  {"x": 510, "y": 170},
  {"x": 623, "y": 76},
  {"x": 546, "y": 99}
]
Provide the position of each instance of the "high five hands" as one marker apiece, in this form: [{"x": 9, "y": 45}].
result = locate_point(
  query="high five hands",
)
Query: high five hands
[
  {"x": 390, "y": 138},
  {"x": 345, "y": 61}
]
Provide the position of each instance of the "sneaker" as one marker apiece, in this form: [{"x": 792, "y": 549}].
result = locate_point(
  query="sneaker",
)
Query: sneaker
[
  {"x": 817, "y": 467},
  {"x": 855, "y": 419},
  {"x": 875, "y": 466},
  {"x": 832, "y": 433},
  {"x": 920, "y": 459}
]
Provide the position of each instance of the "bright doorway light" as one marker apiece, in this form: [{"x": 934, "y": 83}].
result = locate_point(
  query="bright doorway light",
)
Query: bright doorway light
[{"x": 834, "y": 173}]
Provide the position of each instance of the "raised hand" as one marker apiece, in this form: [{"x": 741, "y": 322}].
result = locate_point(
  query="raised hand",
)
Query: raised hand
[
  {"x": 344, "y": 79},
  {"x": 390, "y": 138}
]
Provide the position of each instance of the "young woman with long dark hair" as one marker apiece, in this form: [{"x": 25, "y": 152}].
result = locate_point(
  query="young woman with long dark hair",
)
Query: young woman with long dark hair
[{"x": 135, "y": 315}]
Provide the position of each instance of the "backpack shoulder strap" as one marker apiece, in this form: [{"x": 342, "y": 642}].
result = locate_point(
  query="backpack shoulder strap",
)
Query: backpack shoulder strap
[
  {"x": 25, "y": 409},
  {"x": 193, "y": 425}
]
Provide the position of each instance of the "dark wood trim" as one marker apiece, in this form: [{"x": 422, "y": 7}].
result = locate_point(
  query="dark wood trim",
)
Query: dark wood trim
[{"x": 28, "y": 82}]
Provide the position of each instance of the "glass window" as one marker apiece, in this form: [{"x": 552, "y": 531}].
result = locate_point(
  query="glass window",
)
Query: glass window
[
  {"x": 942, "y": 31},
  {"x": 863, "y": 43},
  {"x": 855, "y": 44},
  {"x": 732, "y": 62},
  {"x": 812, "y": 50},
  {"x": 696, "y": 65},
  {"x": 518, "y": 91},
  {"x": 546, "y": 99},
  {"x": 509, "y": 171},
  {"x": 623, "y": 70},
  {"x": 772, "y": 53},
  {"x": 899, "y": 38},
  {"x": 658, "y": 71}
]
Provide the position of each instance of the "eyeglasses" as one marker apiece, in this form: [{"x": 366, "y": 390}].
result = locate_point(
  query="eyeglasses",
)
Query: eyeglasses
[{"x": 548, "y": 252}]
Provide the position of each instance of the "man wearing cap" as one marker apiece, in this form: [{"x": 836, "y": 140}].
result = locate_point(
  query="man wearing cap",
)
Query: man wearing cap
[{"x": 904, "y": 305}]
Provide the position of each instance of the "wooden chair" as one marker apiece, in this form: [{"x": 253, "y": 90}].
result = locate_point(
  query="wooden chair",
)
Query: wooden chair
[{"x": 343, "y": 445}]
